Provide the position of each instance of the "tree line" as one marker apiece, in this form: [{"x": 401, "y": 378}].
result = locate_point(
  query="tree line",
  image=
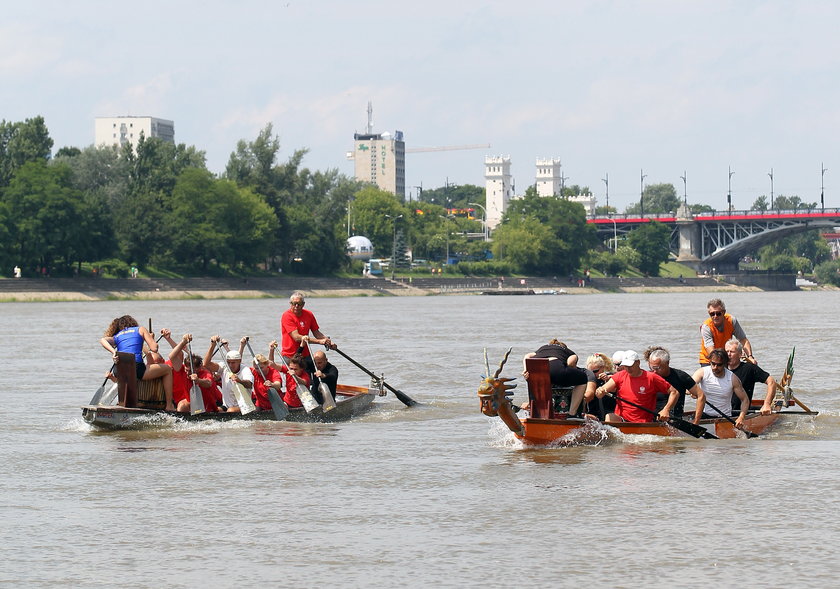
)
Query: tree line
[{"x": 157, "y": 206}]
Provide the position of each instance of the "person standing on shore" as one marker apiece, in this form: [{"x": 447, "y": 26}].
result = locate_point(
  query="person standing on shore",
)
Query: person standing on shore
[
  {"x": 718, "y": 329},
  {"x": 297, "y": 323}
]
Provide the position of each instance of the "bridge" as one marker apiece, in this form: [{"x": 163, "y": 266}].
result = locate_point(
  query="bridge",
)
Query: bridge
[{"x": 719, "y": 239}]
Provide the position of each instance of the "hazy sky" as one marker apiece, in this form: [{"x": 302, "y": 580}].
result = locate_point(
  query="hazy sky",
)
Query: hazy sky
[{"x": 609, "y": 87}]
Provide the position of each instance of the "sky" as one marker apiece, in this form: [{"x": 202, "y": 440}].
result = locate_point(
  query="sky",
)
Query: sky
[{"x": 614, "y": 89}]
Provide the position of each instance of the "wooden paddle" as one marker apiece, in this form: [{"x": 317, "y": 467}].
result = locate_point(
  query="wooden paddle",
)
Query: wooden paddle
[
  {"x": 309, "y": 402},
  {"x": 323, "y": 388},
  {"x": 196, "y": 398},
  {"x": 281, "y": 411},
  {"x": 405, "y": 399},
  {"x": 681, "y": 424},
  {"x": 97, "y": 396},
  {"x": 732, "y": 421}
]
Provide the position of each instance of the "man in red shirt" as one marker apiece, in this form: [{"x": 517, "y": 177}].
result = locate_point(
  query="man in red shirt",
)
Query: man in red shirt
[
  {"x": 295, "y": 325},
  {"x": 640, "y": 387},
  {"x": 265, "y": 377}
]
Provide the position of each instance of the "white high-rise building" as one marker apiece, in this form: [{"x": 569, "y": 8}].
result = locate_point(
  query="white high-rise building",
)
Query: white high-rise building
[
  {"x": 499, "y": 188},
  {"x": 549, "y": 177},
  {"x": 121, "y": 130},
  {"x": 380, "y": 159}
]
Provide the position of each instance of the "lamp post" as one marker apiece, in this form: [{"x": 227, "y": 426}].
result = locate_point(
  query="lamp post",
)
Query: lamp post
[
  {"x": 446, "y": 218},
  {"x": 684, "y": 178},
  {"x": 771, "y": 187},
  {"x": 394, "y": 248},
  {"x": 823, "y": 170},
  {"x": 642, "y": 192},
  {"x": 483, "y": 219},
  {"x": 729, "y": 193},
  {"x": 606, "y": 180},
  {"x": 615, "y": 236}
]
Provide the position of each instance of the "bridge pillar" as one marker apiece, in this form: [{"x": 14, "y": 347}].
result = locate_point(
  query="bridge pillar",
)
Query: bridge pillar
[{"x": 689, "y": 233}]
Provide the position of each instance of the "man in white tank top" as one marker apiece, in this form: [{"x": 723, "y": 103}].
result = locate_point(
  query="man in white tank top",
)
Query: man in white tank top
[{"x": 719, "y": 384}]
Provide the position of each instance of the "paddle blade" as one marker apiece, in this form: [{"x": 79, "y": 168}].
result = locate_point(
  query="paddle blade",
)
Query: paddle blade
[
  {"x": 326, "y": 394},
  {"x": 196, "y": 400},
  {"x": 109, "y": 399},
  {"x": 243, "y": 399},
  {"x": 691, "y": 429},
  {"x": 97, "y": 396},
  {"x": 309, "y": 402},
  {"x": 281, "y": 411}
]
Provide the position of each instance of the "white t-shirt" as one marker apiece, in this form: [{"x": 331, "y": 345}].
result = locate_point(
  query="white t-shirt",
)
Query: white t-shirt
[{"x": 228, "y": 398}]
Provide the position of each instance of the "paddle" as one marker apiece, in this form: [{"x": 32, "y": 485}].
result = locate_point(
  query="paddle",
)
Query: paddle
[
  {"x": 732, "y": 421},
  {"x": 681, "y": 424},
  {"x": 281, "y": 412},
  {"x": 323, "y": 388},
  {"x": 243, "y": 397},
  {"x": 309, "y": 402},
  {"x": 97, "y": 396},
  {"x": 406, "y": 400},
  {"x": 196, "y": 398}
]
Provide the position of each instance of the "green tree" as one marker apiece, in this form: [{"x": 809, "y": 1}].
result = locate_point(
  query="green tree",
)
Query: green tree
[
  {"x": 791, "y": 203},
  {"x": 454, "y": 195},
  {"x": 575, "y": 190},
  {"x": 658, "y": 198},
  {"x": 22, "y": 142},
  {"x": 762, "y": 203},
  {"x": 828, "y": 272},
  {"x": 524, "y": 242},
  {"x": 652, "y": 242},
  {"x": 373, "y": 213}
]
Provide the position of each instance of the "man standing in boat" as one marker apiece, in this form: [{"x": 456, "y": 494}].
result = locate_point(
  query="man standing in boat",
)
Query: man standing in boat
[
  {"x": 719, "y": 384},
  {"x": 718, "y": 329},
  {"x": 639, "y": 387},
  {"x": 295, "y": 325},
  {"x": 749, "y": 374}
]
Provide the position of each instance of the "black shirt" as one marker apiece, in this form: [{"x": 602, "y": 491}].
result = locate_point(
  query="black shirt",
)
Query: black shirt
[
  {"x": 681, "y": 381},
  {"x": 749, "y": 374}
]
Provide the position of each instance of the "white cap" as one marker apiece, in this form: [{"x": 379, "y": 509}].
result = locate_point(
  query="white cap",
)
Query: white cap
[
  {"x": 629, "y": 358},
  {"x": 617, "y": 357},
  {"x": 233, "y": 355}
]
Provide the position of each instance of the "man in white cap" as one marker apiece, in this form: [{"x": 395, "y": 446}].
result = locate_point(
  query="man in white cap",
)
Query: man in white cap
[
  {"x": 639, "y": 387},
  {"x": 230, "y": 373}
]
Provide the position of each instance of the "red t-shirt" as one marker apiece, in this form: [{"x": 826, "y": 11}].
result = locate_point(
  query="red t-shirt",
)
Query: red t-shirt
[
  {"x": 641, "y": 390},
  {"x": 291, "y": 397},
  {"x": 180, "y": 384},
  {"x": 260, "y": 390},
  {"x": 211, "y": 393},
  {"x": 290, "y": 322}
]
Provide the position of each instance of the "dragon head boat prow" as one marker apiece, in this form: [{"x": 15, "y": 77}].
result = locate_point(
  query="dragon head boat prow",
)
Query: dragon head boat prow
[{"x": 495, "y": 396}]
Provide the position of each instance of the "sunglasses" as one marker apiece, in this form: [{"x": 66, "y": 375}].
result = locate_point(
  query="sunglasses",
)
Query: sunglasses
[
  {"x": 716, "y": 363},
  {"x": 715, "y": 313}
]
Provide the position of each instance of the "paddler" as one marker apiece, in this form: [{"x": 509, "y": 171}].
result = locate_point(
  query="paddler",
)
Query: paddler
[
  {"x": 296, "y": 324},
  {"x": 749, "y": 374},
  {"x": 639, "y": 387}
]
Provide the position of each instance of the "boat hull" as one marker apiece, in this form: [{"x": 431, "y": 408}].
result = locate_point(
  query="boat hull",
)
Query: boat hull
[
  {"x": 115, "y": 417},
  {"x": 542, "y": 432}
]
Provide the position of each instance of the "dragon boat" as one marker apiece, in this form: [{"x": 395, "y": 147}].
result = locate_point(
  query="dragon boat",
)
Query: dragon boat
[
  {"x": 141, "y": 404},
  {"x": 547, "y": 422}
]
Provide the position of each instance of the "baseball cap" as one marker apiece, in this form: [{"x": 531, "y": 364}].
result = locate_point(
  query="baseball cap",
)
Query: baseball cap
[{"x": 629, "y": 358}]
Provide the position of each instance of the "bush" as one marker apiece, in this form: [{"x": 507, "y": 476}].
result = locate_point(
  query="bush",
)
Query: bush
[
  {"x": 488, "y": 268},
  {"x": 112, "y": 267},
  {"x": 828, "y": 272}
]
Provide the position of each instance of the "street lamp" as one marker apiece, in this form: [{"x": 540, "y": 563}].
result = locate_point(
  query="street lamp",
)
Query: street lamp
[
  {"x": 823, "y": 170},
  {"x": 615, "y": 236},
  {"x": 483, "y": 219},
  {"x": 729, "y": 194},
  {"x": 394, "y": 249},
  {"x": 446, "y": 217},
  {"x": 642, "y": 192},
  {"x": 684, "y": 178},
  {"x": 771, "y": 187},
  {"x": 606, "y": 181}
]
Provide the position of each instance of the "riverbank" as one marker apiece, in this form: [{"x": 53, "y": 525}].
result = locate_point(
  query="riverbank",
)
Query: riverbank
[{"x": 102, "y": 289}]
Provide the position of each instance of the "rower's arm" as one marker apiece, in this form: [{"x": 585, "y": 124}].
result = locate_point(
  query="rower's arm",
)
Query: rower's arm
[
  {"x": 772, "y": 386},
  {"x": 701, "y": 403}
]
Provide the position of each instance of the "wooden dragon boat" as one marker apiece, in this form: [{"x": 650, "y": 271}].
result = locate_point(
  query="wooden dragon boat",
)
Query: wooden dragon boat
[
  {"x": 141, "y": 404},
  {"x": 547, "y": 424},
  {"x": 350, "y": 402}
]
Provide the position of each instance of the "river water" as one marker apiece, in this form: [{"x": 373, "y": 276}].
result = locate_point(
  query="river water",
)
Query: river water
[{"x": 434, "y": 495}]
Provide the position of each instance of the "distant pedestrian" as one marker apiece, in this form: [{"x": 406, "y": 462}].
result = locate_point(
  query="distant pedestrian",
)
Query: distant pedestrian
[{"x": 17, "y": 272}]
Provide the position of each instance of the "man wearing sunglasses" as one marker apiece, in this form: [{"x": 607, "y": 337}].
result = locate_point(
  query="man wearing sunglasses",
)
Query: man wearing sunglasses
[
  {"x": 718, "y": 329},
  {"x": 720, "y": 384}
]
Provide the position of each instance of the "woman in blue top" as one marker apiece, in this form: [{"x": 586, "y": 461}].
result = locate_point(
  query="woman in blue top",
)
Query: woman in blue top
[{"x": 125, "y": 335}]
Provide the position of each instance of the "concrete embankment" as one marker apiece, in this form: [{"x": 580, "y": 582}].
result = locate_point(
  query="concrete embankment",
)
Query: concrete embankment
[{"x": 98, "y": 289}]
